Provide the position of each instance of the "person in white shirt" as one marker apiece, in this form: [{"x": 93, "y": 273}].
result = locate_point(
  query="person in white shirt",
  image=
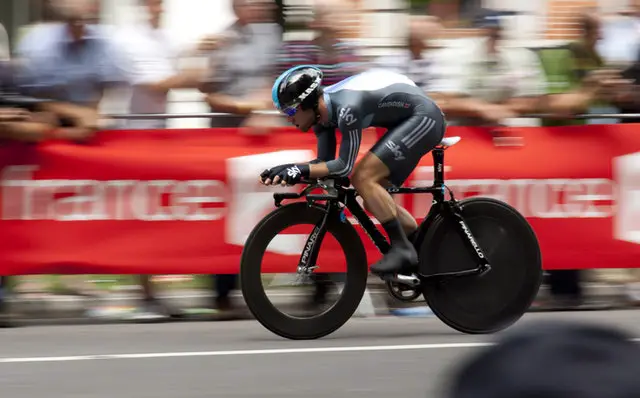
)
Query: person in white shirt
[
  {"x": 418, "y": 61},
  {"x": 497, "y": 83},
  {"x": 150, "y": 61},
  {"x": 434, "y": 68}
]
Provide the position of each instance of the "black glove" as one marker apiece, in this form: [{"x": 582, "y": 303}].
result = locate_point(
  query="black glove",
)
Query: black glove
[{"x": 289, "y": 173}]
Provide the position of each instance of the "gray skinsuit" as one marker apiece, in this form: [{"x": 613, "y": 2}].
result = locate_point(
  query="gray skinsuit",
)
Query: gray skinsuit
[{"x": 379, "y": 98}]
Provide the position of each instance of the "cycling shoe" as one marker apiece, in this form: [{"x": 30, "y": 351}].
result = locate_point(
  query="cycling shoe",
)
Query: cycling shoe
[{"x": 398, "y": 258}]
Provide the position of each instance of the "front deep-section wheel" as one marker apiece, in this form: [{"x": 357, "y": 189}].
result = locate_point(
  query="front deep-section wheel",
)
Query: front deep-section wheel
[
  {"x": 288, "y": 222},
  {"x": 497, "y": 299}
]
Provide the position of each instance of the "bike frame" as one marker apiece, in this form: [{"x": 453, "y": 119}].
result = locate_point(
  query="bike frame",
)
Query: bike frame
[{"x": 338, "y": 194}]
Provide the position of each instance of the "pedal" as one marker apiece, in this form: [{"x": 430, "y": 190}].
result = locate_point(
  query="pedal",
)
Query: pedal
[{"x": 410, "y": 280}]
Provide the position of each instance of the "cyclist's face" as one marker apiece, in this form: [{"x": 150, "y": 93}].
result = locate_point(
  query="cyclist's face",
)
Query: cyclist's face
[{"x": 303, "y": 119}]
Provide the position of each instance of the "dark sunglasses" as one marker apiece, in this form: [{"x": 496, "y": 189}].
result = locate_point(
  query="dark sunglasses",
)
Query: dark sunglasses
[{"x": 290, "y": 110}]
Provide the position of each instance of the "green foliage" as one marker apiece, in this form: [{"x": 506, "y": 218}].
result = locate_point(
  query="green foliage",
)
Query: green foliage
[{"x": 420, "y": 6}]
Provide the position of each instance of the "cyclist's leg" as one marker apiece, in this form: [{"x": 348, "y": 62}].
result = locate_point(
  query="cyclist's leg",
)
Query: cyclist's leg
[
  {"x": 408, "y": 222},
  {"x": 367, "y": 178},
  {"x": 393, "y": 158}
]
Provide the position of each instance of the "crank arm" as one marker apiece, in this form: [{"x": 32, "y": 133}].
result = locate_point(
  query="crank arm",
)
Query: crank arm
[{"x": 409, "y": 280}]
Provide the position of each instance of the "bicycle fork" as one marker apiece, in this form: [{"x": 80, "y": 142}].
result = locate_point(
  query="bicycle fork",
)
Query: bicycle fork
[{"x": 309, "y": 256}]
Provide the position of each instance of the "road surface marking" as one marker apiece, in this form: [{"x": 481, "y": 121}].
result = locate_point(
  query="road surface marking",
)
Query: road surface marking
[
  {"x": 97, "y": 357},
  {"x": 246, "y": 352}
]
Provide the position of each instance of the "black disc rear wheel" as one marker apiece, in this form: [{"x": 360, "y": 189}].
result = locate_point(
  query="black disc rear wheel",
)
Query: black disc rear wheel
[
  {"x": 355, "y": 280},
  {"x": 497, "y": 299}
]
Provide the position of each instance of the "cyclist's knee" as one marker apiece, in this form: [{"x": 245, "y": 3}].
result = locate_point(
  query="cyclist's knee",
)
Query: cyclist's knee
[
  {"x": 358, "y": 178},
  {"x": 364, "y": 176},
  {"x": 368, "y": 173}
]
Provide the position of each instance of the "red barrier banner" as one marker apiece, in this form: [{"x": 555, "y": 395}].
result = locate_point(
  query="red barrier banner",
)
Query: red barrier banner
[{"x": 184, "y": 201}]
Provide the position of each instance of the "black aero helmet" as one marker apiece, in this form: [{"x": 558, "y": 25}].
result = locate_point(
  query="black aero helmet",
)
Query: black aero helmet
[{"x": 297, "y": 86}]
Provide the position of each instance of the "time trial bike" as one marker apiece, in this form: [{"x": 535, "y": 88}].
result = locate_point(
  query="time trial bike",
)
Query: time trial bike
[{"x": 480, "y": 266}]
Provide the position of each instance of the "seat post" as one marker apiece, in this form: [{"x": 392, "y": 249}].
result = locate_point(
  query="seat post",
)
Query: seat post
[{"x": 438, "y": 166}]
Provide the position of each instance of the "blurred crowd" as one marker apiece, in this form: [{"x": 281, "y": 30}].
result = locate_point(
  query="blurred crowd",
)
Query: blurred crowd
[{"x": 59, "y": 73}]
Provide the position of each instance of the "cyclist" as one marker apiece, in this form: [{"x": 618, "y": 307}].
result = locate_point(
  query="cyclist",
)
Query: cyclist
[{"x": 414, "y": 123}]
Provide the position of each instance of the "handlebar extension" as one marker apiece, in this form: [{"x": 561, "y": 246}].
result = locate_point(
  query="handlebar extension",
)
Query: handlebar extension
[{"x": 321, "y": 196}]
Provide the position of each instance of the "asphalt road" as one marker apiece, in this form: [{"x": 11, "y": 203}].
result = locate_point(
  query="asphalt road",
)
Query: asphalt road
[{"x": 376, "y": 357}]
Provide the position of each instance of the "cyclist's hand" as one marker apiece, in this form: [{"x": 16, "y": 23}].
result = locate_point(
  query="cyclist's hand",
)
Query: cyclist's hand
[
  {"x": 286, "y": 174},
  {"x": 267, "y": 176}
]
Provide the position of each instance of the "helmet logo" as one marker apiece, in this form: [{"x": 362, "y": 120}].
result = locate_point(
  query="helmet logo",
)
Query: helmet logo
[
  {"x": 285, "y": 79},
  {"x": 308, "y": 91}
]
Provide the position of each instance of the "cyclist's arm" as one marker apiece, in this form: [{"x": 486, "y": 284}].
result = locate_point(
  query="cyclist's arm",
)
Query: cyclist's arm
[
  {"x": 326, "y": 144},
  {"x": 350, "y": 124}
]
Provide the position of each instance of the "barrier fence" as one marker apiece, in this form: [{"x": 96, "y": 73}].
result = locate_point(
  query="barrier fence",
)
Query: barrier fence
[{"x": 165, "y": 202}]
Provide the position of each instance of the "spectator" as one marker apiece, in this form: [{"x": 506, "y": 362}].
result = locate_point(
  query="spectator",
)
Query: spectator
[
  {"x": 70, "y": 61},
  {"x": 418, "y": 60},
  {"x": 338, "y": 59},
  {"x": 621, "y": 36},
  {"x": 18, "y": 123},
  {"x": 432, "y": 67},
  {"x": 24, "y": 118},
  {"x": 71, "y": 64},
  {"x": 238, "y": 67},
  {"x": 577, "y": 82},
  {"x": 331, "y": 49},
  {"x": 613, "y": 47},
  {"x": 498, "y": 83},
  {"x": 239, "y": 76},
  {"x": 29, "y": 120},
  {"x": 149, "y": 60},
  {"x": 151, "y": 66}
]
